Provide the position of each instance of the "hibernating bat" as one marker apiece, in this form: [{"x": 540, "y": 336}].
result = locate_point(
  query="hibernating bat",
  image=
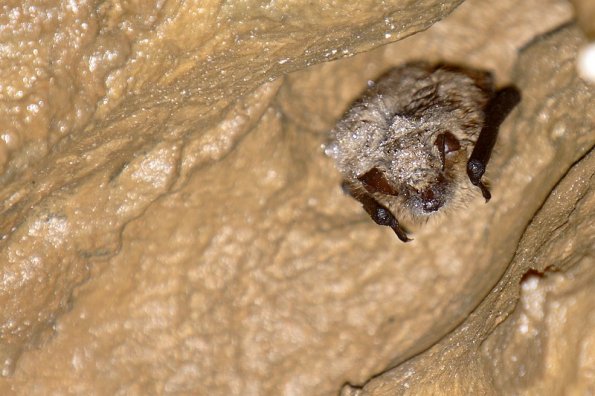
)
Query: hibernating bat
[{"x": 418, "y": 140}]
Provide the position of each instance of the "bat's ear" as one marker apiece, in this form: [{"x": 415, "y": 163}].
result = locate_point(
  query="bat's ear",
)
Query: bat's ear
[
  {"x": 446, "y": 143},
  {"x": 374, "y": 181}
]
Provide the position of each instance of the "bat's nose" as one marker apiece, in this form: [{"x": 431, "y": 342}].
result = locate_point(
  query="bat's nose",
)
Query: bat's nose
[{"x": 431, "y": 200}]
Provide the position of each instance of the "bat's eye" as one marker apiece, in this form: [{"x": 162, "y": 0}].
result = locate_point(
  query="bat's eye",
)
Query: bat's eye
[
  {"x": 447, "y": 142},
  {"x": 375, "y": 181}
]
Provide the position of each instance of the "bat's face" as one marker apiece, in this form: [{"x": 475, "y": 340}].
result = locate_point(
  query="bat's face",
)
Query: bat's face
[{"x": 421, "y": 169}]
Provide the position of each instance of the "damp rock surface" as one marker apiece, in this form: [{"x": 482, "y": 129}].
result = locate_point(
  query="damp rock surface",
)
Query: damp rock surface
[
  {"x": 108, "y": 106},
  {"x": 170, "y": 224}
]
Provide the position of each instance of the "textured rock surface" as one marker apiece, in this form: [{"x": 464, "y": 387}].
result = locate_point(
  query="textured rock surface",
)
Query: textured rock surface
[
  {"x": 110, "y": 105},
  {"x": 175, "y": 227}
]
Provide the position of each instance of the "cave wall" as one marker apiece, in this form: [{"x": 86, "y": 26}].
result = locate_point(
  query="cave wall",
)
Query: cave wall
[{"x": 170, "y": 224}]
